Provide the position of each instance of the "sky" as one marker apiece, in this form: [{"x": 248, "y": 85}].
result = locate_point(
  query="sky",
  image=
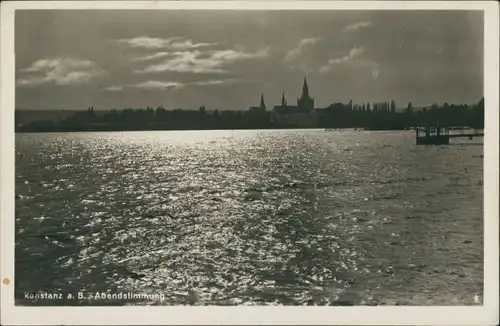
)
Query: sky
[{"x": 73, "y": 59}]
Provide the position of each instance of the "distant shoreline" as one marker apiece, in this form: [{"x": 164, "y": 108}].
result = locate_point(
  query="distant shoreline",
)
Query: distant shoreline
[
  {"x": 382, "y": 116},
  {"x": 207, "y": 129}
]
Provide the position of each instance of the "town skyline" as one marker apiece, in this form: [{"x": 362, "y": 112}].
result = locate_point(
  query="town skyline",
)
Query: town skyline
[
  {"x": 270, "y": 105},
  {"x": 362, "y": 56}
]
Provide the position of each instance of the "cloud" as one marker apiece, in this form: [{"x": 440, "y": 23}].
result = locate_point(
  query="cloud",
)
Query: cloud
[
  {"x": 156, "y": 84},
  {"x": 152, "y": 56},
  {"x": 188, "y": 61},
  {"x": 353, "y": 53},
  {"x": 161, "y": 85},
  {"x": 188, "y": 44},
  {"x": 297, "y": 51},
  {"x": 114, "y": 89},
  {"x": 233, "y": 55},
  {"x": 356, "y": 26},
  {"x": 60, "y": 71},
  {"x": 221, "y": 82},
  {"x": 150, "y": 84},
  {"x": 172, "y": 43},
  {"x": 203, "y": 62},
  {"x": 212, "y": 82}
]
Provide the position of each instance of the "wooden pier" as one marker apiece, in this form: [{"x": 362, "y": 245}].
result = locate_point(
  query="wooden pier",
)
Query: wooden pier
[
  {"x": 437, "y": 135},
  {"x": 466, "y": 132}
]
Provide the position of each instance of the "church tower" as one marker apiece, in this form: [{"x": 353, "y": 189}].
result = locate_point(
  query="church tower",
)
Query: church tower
[
  {"x": 305, "y": 102},
  {"x": 262, "y": 105},
  {"x": 283, "y": 101},
  {"x": 305, "y": 89}
]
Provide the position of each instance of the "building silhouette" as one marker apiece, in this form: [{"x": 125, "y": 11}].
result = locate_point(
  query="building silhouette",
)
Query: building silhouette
[
  {"x": 305, "y": 103},
  {"x": 301, "y": 115},
  {"x": 262, "y": 106},
  {"x": 377, "y": 116},
  {"x": 283, "y": 100}
]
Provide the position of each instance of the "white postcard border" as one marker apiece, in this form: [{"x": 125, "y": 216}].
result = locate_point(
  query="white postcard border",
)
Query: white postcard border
[{"x": 183, "y": 315}]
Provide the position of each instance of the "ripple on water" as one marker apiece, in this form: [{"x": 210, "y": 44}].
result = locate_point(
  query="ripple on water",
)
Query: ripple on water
[{"x": 249, "y": 218}]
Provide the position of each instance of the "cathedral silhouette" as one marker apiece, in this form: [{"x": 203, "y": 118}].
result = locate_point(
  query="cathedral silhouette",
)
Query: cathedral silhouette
[{"x": 305, "y": 103}]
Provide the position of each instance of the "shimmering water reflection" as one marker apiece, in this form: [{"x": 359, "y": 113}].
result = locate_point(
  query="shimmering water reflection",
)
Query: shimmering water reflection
[{"x": 295, "y": 217}]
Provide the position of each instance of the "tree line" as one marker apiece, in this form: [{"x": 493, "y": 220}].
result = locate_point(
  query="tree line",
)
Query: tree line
[
  {"x": 384, "y": 116},
  {"x": 373, "y": 116}
]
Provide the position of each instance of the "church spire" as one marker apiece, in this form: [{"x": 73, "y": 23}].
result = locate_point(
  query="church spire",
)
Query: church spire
[
  {"x": 283, "y": 101},
  {"x": 305, "y": 89},
  {"x": 262, "y": 104},
  {"x": 305, "y": 102}
]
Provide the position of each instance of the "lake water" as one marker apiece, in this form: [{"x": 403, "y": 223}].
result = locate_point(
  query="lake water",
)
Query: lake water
[{"x": 294, "y": 217}]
